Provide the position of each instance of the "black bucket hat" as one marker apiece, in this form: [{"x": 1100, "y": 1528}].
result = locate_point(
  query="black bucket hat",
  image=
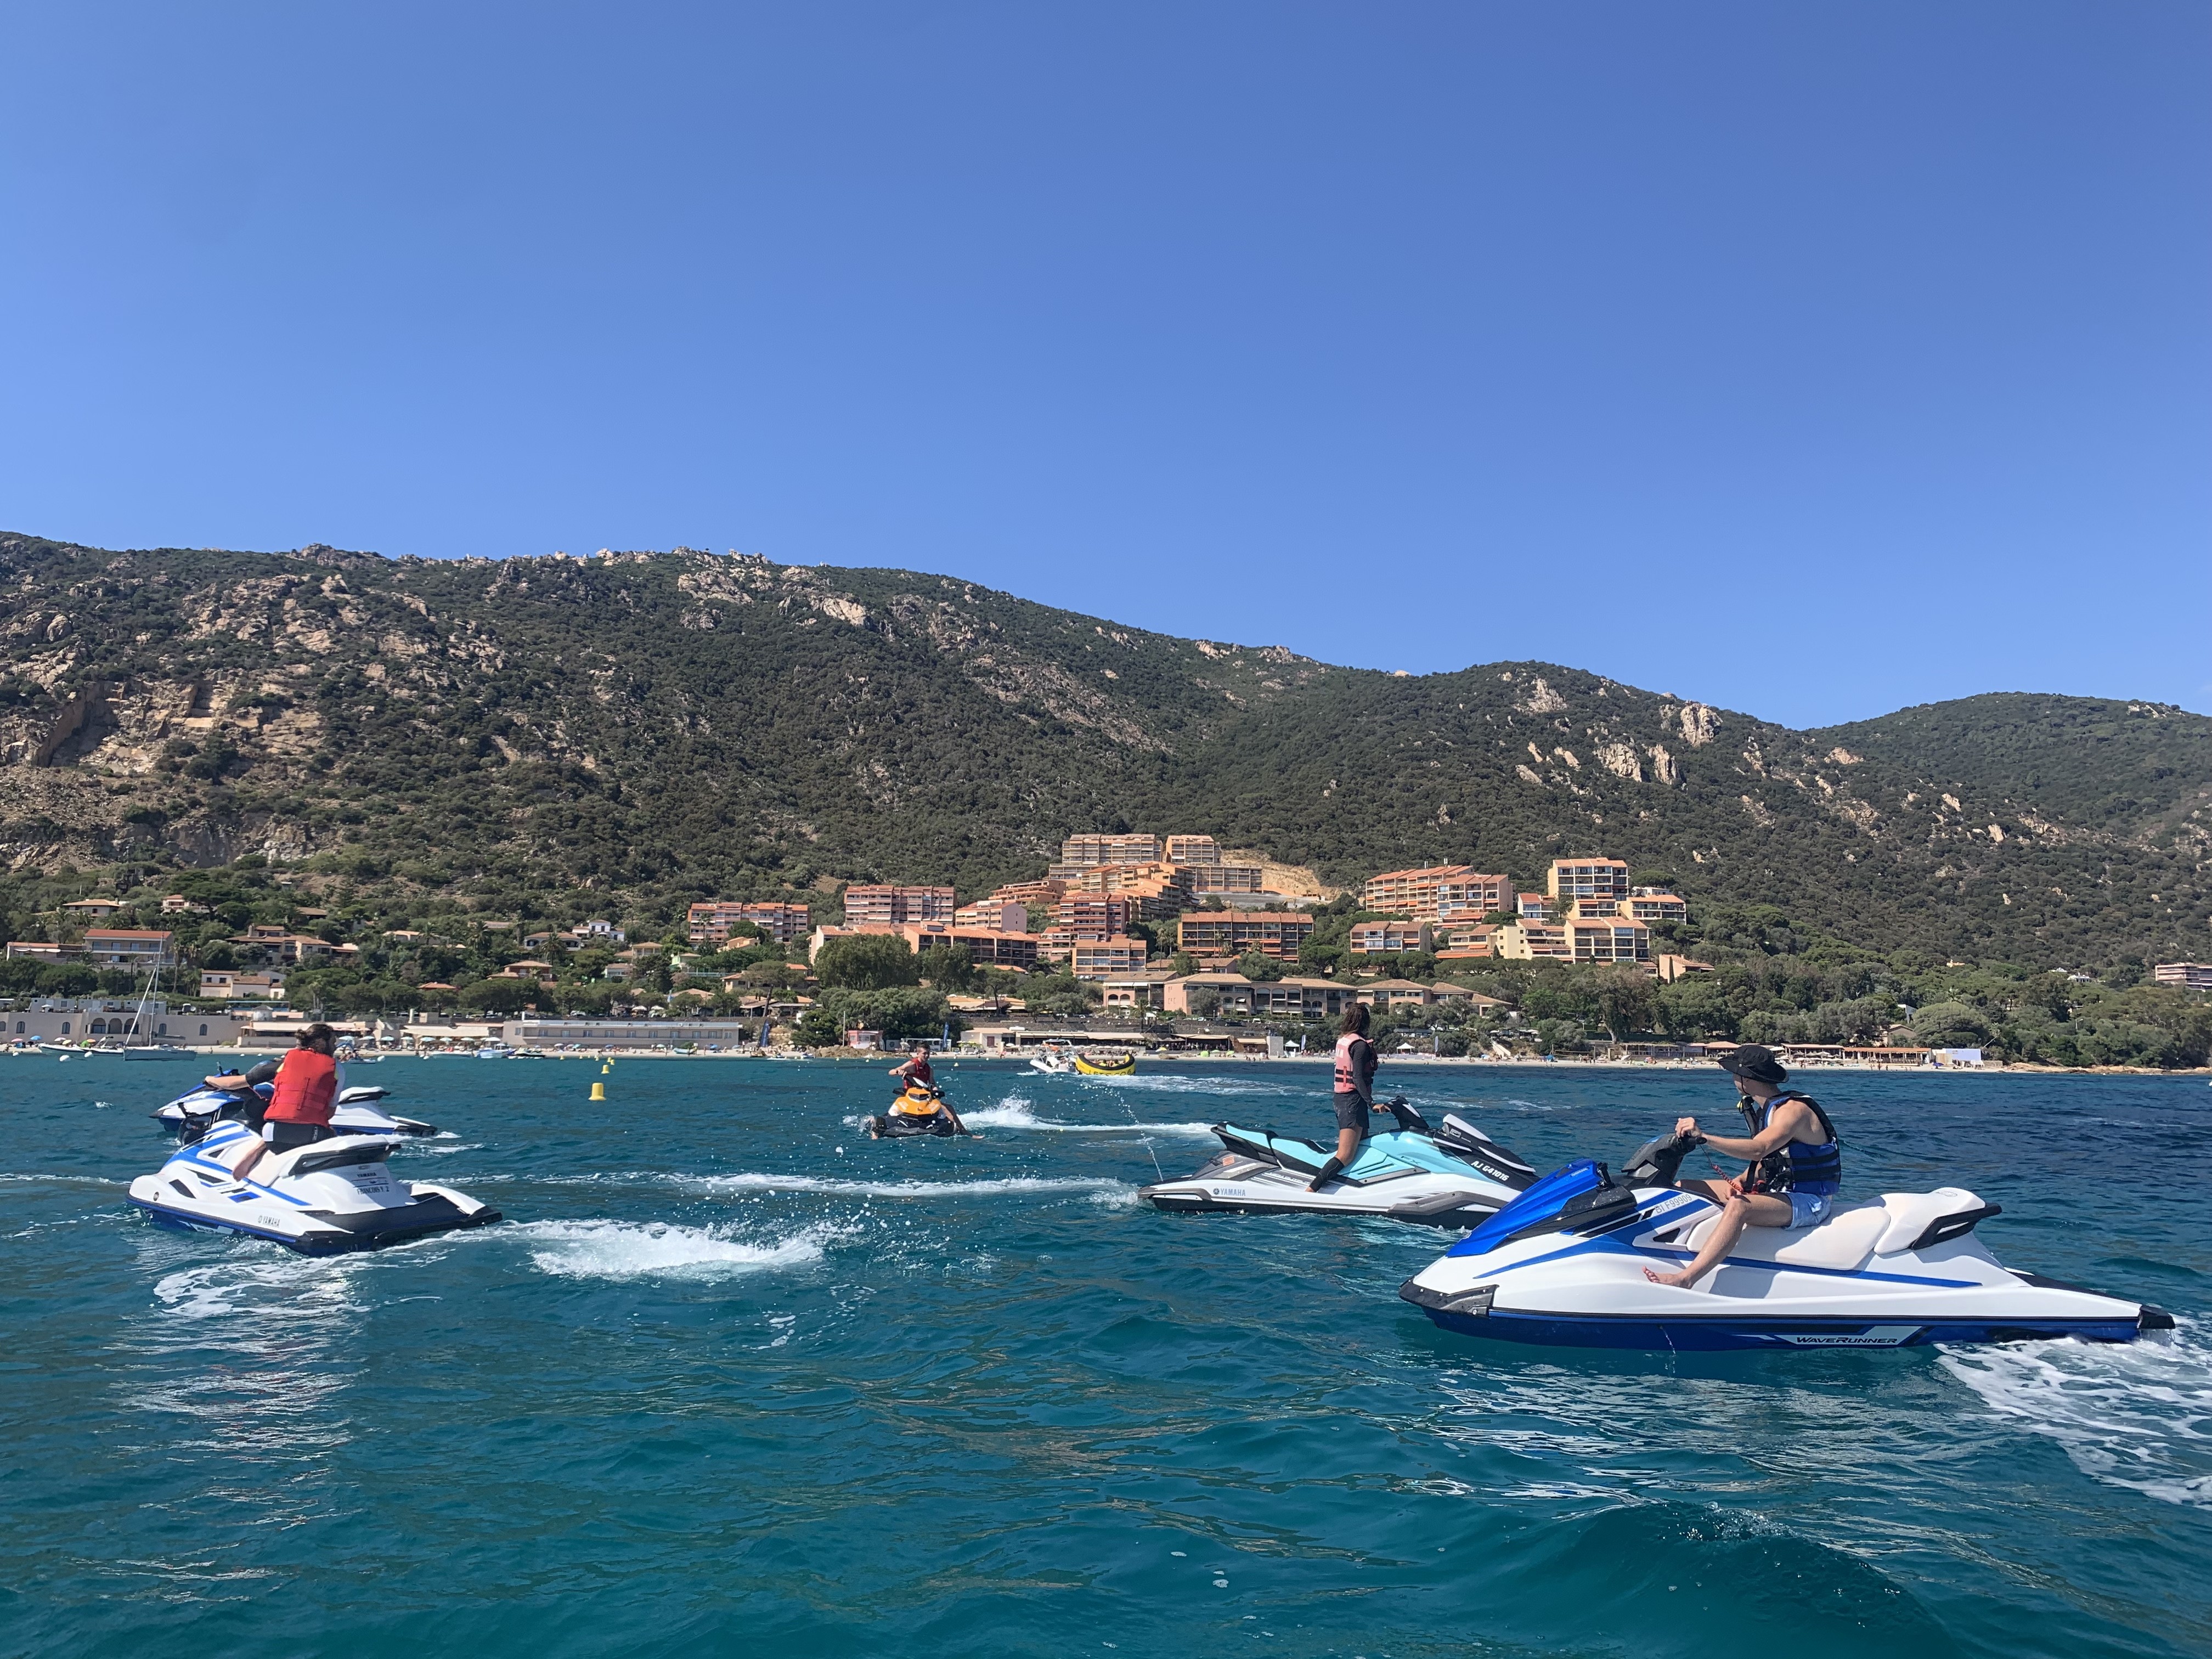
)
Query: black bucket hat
[{"x": 1759, "y": 1064}]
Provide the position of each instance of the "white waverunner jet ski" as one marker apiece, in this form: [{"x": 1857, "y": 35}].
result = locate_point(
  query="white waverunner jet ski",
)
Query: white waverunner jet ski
[
  {"x": 329, "y": 1195},
  {"x": 1565, "y": 1265},
  {"x": 352, "y": 1113},
  {"x": 1452, "y": 1177}
]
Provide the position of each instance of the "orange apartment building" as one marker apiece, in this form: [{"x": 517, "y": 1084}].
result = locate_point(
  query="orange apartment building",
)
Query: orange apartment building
[
  {"x": 1276, "y": 933},
  {"x": 1080, "y": 852},
  {"x": 1106, "y": 958},
  {"x": 1193, "y": 849},
  {"x": 895, "y": 907},
  {"x": 1007, "y": 916},
  {"x": 1419, "y": 893},
  {"x": 1471, "y": 897},
  {"x": 1532, "y": 941},
  {"x": 1390, "y": 939},
  {"x": 1608, "y": 939},
  {"x": 1648, "y": 904},
  {"x": 710, "y": 923},
  {"x": 1581, "y": 878}
]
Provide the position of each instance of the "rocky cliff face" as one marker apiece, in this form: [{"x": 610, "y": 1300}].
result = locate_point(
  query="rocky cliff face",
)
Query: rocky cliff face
[{"x": 674, "y": 723}]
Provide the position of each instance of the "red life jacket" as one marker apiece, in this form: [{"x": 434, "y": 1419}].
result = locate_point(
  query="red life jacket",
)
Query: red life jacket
[
  {"x": 1348, "y": 1079},
  {"x": 305, "y": 1085}
]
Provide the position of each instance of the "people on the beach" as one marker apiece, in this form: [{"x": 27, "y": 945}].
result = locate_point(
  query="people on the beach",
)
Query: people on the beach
[
  {"x": 1356, "y": 1060},
  {"x": 1795, "y": 1165}
]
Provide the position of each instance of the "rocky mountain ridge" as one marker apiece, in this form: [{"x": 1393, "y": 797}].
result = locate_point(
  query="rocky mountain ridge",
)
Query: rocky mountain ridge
[{"x": 659, "y": 723}]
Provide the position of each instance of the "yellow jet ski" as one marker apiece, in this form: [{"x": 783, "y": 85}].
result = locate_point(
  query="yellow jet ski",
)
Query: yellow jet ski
[{"x": 919, "y": 1109}]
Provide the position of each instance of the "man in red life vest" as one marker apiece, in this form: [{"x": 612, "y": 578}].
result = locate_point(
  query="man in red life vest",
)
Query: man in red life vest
[
  {"x": 1356, "y": 1060},
  {"x": 307, "y": 1092}
]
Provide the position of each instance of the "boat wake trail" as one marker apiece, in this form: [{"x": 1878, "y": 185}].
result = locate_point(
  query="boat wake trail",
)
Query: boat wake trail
[
  {"x": 2138, "y": 1416},
  {"x": 626, "y": 1250},
  {"x": 1015, "y": 1113},
  {"x": 775, "y": 1183}
]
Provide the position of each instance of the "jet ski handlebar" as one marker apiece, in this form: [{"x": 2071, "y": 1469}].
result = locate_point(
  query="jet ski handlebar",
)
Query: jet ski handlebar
[{"x": 1658, "y": 1160}]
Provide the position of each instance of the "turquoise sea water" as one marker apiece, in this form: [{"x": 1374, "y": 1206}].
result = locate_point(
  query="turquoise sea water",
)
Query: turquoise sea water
[{"x": 733, "y": 1379}]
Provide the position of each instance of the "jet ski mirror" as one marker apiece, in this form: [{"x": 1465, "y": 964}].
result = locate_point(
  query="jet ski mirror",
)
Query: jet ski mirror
[{"x": 1658, "y": 1160}]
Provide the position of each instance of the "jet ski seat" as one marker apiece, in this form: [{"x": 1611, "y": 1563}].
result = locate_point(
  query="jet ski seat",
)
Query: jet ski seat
[
  {"x": 1917, "y": 1221},
  {"x": 1843, "y": 1241}
]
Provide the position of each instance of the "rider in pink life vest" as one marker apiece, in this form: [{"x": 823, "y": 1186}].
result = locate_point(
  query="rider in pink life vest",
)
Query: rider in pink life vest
[{"x": 1356, "y": 1060}]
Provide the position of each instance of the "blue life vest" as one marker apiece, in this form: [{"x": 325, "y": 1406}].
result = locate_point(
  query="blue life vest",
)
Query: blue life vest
[{"x": 1798, "y": 1168}]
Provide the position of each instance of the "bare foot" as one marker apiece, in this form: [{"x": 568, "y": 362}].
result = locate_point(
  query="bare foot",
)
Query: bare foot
[{"x": 1678, "y": 1281}]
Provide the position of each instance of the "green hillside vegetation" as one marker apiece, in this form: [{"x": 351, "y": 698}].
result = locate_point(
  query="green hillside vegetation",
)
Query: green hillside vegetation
[{"x": 415, "y": 745}]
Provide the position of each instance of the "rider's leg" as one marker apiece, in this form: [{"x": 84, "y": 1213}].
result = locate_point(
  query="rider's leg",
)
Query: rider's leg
[{"x": 1742, "y": 1210}]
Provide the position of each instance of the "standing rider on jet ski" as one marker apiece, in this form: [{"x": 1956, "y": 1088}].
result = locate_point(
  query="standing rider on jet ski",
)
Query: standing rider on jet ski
[
  {"x": 1795, "y": 1168},
  {"x": 1356, "y": 1060}
]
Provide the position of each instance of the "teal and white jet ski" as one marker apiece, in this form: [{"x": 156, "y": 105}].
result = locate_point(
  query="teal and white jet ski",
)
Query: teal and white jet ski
[{"x": 1454, "y": 1176}]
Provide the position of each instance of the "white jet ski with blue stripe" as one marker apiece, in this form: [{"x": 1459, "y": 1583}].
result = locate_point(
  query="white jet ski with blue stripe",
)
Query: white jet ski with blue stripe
[
  {"x": 329, "y": 1195},
  {"x": 352, "y": 1115},
  {"x": 1564, "y": 1265},
  {"x": 1451, "y": 1176}
]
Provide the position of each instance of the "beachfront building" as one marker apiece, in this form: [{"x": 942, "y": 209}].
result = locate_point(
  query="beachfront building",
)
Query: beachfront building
[
  {"x": 37, "y": 950},
  {"x": 1396, "y": 994},
  {"x": 1608, "y": 939},
  {"x": 227, "y": 985},
  {"x": 876, "y": 905},
  {"x": 1222, "y": 933},
  {"x": 1140, "y": 987},
  {"x": 1532, "y": 941},
  {"x": 1230, "y": 993},
  {"x": 1390, "y": 939},
  {"x": 1106, "y": 958},
  {"x": 711, "y": 923},
  {"x": 133, "y": 949},
  {"x": 2189, "y": 975},
  {"x": 1587, "y": 878}
]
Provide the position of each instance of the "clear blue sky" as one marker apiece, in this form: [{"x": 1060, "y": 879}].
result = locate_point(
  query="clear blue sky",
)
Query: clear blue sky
[{"x": 1809, "y": 359}]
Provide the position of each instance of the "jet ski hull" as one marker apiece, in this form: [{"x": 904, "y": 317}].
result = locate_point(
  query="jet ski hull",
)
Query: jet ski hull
[
  {"x": 1231, "y": 1184},
  {"x": 1903, "y": 1272},
  {"x": 329, "y": 1196},
  {"x": 1455, "y": 1177},
  {"x": 432, "y": 1211}
]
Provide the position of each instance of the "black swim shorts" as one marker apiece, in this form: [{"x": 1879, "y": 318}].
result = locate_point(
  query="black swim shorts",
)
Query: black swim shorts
[{"x": 1352, "y": 1114}]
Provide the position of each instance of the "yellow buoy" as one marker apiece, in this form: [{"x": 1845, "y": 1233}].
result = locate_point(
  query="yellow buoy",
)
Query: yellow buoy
[{"x": 598, "y": 1091}]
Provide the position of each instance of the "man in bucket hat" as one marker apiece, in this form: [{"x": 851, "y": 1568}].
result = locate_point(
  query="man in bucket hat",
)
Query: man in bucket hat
[{"x": 1795, "y": 1166}]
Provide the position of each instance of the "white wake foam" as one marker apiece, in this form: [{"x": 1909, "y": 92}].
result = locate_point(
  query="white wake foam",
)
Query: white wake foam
[
  {"x": 625, "y": 1249},
  {"x": 2137, "y": 1415},
  {"x": 1015, "y": 1113},
  {"x": 776, "y": 1183}
]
